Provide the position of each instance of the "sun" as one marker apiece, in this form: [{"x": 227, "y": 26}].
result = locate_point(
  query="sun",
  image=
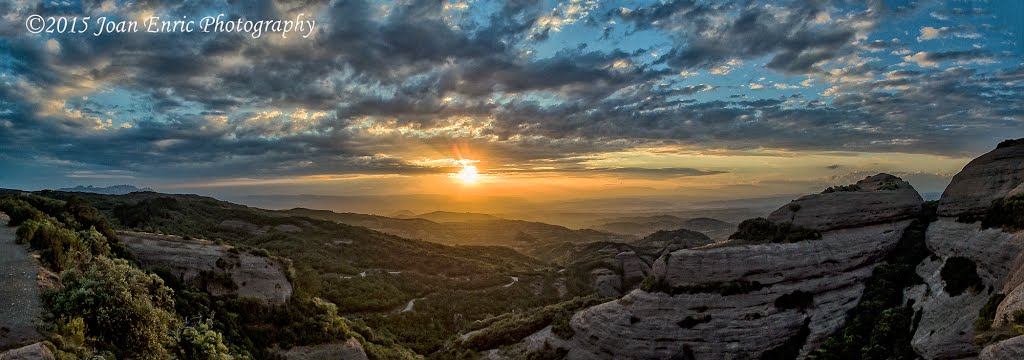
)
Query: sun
[{"x": 468, "y": 175}]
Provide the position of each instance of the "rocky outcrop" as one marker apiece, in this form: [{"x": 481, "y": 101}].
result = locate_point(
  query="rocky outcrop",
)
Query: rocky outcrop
[
  {"x": 1007, "y": 349},
  {"x": 743, "y": 300},
  {"x": 252, "y": 276},
  {"x": 29, "y": 352},
  {"x": 877, "y": 199},
  {"x": 946, "y": 329},
  {"x": 993, "y": 175}
]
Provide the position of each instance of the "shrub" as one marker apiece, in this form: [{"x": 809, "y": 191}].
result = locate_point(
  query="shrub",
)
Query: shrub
[
  {"x": 1009, "y": 143},
  {"x": 988, "y": 313},
  {"x": 690, "y": 321},
  {"x": 202, "y": 342},
  {"x": 795, "y": 300},
  {"x": 841, "y": 188},
  {"x": 19, "y": 210},
  {"x": 1007, "y": 213},
  {"x": 880, "y": 326},
  {"x": 26, "y": 231},
  {"x": 959, "y": 274},
  {"x": 761, "y": 230},
  {"x": 726, "y": 288},
  {"x": 560, "y": 325},
  {"x": 547, "y": 352},
  {"x": 512, "y": 329},
  {"x": 122, "y": 307}
]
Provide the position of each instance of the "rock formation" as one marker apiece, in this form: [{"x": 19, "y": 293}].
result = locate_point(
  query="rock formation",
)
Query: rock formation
[
  {"x": 253, "y": 276},
  {"x": 29, "y": 352},
  {"x": 726, "y": 301},
  {"x": 946, "y": 329}
]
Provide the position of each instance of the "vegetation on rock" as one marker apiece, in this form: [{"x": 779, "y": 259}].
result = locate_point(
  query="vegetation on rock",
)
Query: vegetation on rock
[
  {"x": 882, "y": 325},
  {"x": 1006, "y": 213},
  {"x": 841, "y": 188},
  {"x": 726, "y": 288},
  {"x": 761, "y": 230},
  {"x": 960, "y": 274},
  {"x": 798, "y": 299}
]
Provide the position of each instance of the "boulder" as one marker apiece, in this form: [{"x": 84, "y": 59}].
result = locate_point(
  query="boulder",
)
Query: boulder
[
  {"x": 877, "y": 199},
  {"x": 35, "y": 351},
  {"x": 1012, "y": 348},
  {"x": 997, "y": 174}
]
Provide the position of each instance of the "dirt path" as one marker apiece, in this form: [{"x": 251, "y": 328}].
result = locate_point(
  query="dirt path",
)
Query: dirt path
[{"x": 19, "y": 294}]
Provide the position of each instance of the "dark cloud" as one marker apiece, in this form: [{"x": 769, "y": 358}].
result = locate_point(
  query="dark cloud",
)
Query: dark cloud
[{"x": 792, "y": 38}]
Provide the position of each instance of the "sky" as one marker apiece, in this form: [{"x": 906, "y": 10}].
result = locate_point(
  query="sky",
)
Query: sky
[{"x": 544, "y": 99}]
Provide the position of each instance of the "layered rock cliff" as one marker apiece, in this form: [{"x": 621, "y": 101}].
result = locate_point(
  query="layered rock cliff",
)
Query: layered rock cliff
[
  {"x": 948, "y": 327},
  {"x": 225, "y": 271},
  {"x": 748, "y": 299}
]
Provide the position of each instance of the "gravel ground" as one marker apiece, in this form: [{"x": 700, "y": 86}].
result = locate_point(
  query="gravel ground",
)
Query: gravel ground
[{"x": 19, "y": 294}]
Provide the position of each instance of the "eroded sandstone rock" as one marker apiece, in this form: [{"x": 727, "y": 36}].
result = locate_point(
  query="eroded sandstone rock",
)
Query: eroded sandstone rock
[
  {"x": 29, "y": 352},
  {"x": 986, "y": 178},
  {"x": 253, "y": 276},
  {"x": 743, "y": 300},
  {"x": 878, "y": 199}
]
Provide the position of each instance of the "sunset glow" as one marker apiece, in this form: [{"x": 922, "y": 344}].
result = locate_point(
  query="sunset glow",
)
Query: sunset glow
[{"x": 468, "y": 175}]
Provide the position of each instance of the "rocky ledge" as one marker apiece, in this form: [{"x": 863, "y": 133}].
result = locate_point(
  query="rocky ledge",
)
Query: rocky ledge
[
  {"x": 948, "y": 327},
  {"x": 876, "y": 199},
  {"x": 225, "y": 270},
  {"x": 749, "y": 299},
  {"x": 999, "y": 173}
]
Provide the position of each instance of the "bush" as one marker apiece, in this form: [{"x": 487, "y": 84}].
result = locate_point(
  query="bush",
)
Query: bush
[
  {"x": 560, "y": 325},
  {"x": 1009, "y": 143},
  {"x": 841, "y": 188},
  {"x": 19, "y": 210},
  {"x": 988, "y": 313},
  {"x": 690, "y": 321},
  {"x": 512, "y": 329},
  {"x": 547, "y": 353},
  {"x": 26, "y": 231},
  {"x": 795, "y": 300},
  {"x": 761, "y": 230},
  {"x": 202, "y": 342},
  {"x": 1007, "y": 213},
  {"x": 881, "y": 325},
  {"x": 736, "y": 287},
  {"x": 122, "y": 307},
  {"x": 959, "y": 274}
]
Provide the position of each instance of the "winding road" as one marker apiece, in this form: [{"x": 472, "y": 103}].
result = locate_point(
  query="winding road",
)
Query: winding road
[{"x": 19, "y": 293}]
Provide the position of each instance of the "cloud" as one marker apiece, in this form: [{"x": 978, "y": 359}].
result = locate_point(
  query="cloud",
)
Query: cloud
[
  {"x": 928, "y": 33},
  {"x": 374, "y": 91},
  {"x": 795, "y": 38}
]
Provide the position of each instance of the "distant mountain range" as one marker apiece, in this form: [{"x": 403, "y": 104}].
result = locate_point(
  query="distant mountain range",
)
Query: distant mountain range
[{"x": 109, "y": 190}]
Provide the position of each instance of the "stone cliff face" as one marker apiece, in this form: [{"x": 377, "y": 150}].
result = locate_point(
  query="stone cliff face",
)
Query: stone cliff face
[
  {"x": 747, "y": 299},
  {"x": 258, "y": 277},
  {"x": 996, "y": 174},
  {"x": 947, "y": 329}
]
